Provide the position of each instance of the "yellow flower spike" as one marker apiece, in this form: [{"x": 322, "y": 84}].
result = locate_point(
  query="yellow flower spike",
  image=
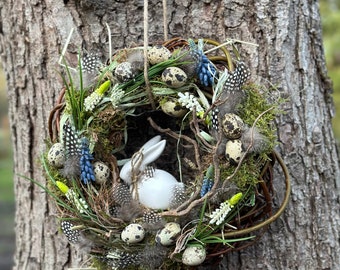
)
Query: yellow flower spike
[
  {"x": 103, "y": 87},
  {"x": 63, "y": 188},
  {"x": 235, "y": 199},
  {"x": 200, "y": 114}
]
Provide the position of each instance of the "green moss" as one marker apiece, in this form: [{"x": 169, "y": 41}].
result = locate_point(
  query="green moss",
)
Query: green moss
[
  {"x": 247, "y": 174},
  {"x": 256, "y": 103},
  {"x": 107, "y": 129}
]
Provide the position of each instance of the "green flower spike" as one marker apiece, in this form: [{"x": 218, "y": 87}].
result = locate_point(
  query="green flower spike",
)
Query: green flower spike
[
  {"x": 92, "y": 100},
  {"x": 219, "y": 215},
  {"x": 73, "y": 197}
]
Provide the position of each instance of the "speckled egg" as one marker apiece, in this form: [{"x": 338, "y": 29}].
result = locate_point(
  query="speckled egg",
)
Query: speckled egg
[
  {"x": 194, "y": 255},
  {"x": 174, "y": 77},
  {"x": 101, "y": 172},
  {"x": 234, "y": 151},
  {"x": 56, "y": 155},
  {"x": 168, "y": 235},
  {"x": 125, "y": 72},
  {"x": 133, "y": 233},
  {"x": 158, "y": 54},
  {"x": 173, "y": 108},
  {"x": 232, "y": 126}
]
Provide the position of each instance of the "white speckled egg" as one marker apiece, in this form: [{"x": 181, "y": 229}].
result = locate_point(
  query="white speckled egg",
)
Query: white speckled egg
[
  {"x": 173, "y": 108},
  {"x": 125, "y": 72},
  {"x": 158, "y": 54},
  {"x": 194, "y": 255},
  {"x": 232, "y": 126},
  {"x": 56, "y": 155},
  {"x": 174, "y": 77},
  {"x": 168, "y": 235},
  {"x": 234, "y": 151},
  {"x": 101, "y": 172},
  {"x": 133, "y": 233}
]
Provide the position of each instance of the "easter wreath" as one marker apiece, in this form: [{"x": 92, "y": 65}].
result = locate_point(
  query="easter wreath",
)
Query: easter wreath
[{"x": 163, "y": 159}]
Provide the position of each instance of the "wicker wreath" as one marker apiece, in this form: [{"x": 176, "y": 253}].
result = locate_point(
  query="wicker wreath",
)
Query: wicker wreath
[{"x": 162, "y": 158}]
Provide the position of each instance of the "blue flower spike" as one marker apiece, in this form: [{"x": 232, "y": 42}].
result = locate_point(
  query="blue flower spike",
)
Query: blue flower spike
[
  {"x": 208, "y": 181},
  {"x": 86, "y": 167},
  {"x": 205, "y": 69}
]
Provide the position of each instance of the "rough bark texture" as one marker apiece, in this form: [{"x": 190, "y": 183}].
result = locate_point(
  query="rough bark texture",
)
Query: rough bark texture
[{"x": 289, "y": 55}]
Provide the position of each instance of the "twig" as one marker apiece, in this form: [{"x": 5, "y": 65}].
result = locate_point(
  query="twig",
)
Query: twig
[
  {"x": 110, "y": 44},
  {"x": 146, "y": 65},
  {"x": 178, "y": 136},
  {"x": 195, "y": 129},
  {"x": 165, "y": 21}
]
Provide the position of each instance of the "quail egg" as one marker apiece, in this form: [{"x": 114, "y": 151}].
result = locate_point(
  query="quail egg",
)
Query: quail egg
[
  {"x": 167, "y": 236},
  {"x": 194, "y": 255},
  {"x": 125, "y": 72},
  {"x": 158, "y": 54},
  {"x": 234, "y": 151},
  {"x": 232, "y": 126},
  {"x": 173, "y": 108},
  {"x": 133, "y": 233},
  {"x": 174, "y": 77},
  {"x": 101, "y": 172},
  {"x": 56, "y": 155}
]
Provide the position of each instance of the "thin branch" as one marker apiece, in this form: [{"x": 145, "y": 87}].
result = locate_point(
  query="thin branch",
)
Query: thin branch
[
  {"x": 165, "y": 20},
  {"x": 146, "y": 64}
]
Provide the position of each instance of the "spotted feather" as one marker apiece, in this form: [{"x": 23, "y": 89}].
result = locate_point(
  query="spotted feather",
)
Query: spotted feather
[
  {"x": 72, "y": 144},
  {"x": 232, "y": 93},
  {"x": 72, "y": 235},
  {"x": 90, "y": 63}
]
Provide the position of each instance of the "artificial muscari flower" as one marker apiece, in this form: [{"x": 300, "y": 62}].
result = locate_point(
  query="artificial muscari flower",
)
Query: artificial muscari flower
[
  {"x": 116, "y": 96},
  {"x": 206, "y": 186},
  {"x": 208, "y": 181},
  {"x": 86, "y": 168},
  {"x": 190, "y": 102},
  {"x": 73, "y": 197},
  {"x": 204, "y": 67},
  {"x": 93, "y": 99},
  {"x": 219, "y": 215}
]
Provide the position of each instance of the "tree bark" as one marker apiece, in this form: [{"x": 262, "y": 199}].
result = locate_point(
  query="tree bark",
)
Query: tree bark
[{"x": 289, "y": 55}]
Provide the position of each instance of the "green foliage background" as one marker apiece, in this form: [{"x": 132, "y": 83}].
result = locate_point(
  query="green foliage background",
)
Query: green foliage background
[{"x": 330, "y": 15}]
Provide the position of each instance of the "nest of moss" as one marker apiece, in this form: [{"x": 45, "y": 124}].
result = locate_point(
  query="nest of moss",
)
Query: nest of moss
[{"x": 167, "y": 164}]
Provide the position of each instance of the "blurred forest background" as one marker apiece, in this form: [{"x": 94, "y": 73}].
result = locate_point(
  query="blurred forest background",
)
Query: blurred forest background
[{"x": 330, "y": 12}]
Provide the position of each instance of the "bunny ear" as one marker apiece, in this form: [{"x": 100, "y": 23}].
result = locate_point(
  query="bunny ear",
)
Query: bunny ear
[
  {"x": 151, "y": 150},
  {"x": 152, "y": 153},
  {"x": 151, "y": 142},
  {"x": 126, "y": 170}
]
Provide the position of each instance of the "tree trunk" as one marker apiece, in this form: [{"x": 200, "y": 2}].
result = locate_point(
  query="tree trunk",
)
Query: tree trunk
[{"x": 289, "y": 55}]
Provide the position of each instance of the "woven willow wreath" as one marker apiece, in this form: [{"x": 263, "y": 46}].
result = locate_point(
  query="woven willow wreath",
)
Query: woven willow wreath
[{"x": 164, "y": 169}]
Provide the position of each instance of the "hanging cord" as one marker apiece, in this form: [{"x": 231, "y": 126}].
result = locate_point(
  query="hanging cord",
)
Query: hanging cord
[
  {"x": 146, "y": 43},
  {"x": 165, "y": 21}
]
